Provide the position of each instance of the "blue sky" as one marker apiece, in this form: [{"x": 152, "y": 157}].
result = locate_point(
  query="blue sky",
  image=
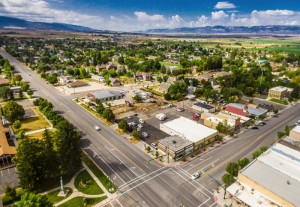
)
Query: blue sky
[{"x": 133, "y": 15}]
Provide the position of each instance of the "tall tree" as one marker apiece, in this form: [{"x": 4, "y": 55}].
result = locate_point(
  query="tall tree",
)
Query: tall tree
[
  {"x": 29, "y": 161},
  {"x": 66, "y": 145},
  {"x": 33, "y": 200},
  {"x": 51, "y": 164},
  {"x": 13, "y": 111}
]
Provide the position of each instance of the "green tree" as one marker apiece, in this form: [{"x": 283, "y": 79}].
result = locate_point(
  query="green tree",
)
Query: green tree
[
  {"x": 51, "y": 168},
  {"x": 17, "y": 124},
  {"x": 136, "y": 134},
  {"x": 138, "y": 98},
  {"x": 33, "y": 200},
  {"x": 123, "y": 125},
  {"x": 296, "y": 92},
  {"x": 29, "y": 161},
  {"x": 66, "y": 144},
  {"x": 13, "y": 111},
  {"x": 21, "y": 95},
  {"x": 30, "y": 92},
  {"x": 259, "y": 152},
  {"x": 11, "y": 192},
  {"x": 243, "y": 162},
  {"x": 100, "y": 108},
  {"x": 108, "y": 114},
  {"x": 232, "y": 168},
  {"x": 227, "y": 179}
]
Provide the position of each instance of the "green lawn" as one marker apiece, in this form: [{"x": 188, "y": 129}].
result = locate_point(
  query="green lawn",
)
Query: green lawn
[
  {"x": 34, "y": 123},
  {"x": 170, "y": 64},
  {"x": 52, "y": 196},
  {"x": 79, "y": 202},
  {"x": 86, "y": 184},
  {"x": 279, "y": 101},
  {"x": 97, "y": 172}
]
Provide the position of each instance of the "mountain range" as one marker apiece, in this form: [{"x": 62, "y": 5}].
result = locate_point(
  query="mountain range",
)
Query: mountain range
[{"x": 16, "y": 23}]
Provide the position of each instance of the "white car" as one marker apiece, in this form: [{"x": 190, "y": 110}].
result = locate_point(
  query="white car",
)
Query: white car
[
  {"x": 97, "y": 128},
  {"x": 141, "y": 121},
  {"x": 140, "y": 126},
  {"x": 145, "y": 134},
  {"x": 154, "y": 145},
  {"x": 195, "y": 176}
]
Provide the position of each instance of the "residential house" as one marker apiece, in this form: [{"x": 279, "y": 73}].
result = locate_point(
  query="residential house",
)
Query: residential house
[
  {"x": 3, "y": 81},
  {"x": 143, "y": 76},
  {"x": 99, "y": 68},
  {"x": 164, "y": 86},
  {"x": 15, "y": 89},
  {"x": 107, "y": 95},
  {"x": 111, "y": 67},
  {"x": 244, "y": 110},
  {"x": 65, "y": 79},
  {"x": 98, "y": 78},
  {"x": 114, "y": 82}
]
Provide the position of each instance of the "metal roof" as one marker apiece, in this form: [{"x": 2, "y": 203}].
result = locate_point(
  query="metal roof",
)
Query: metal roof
[{"x": 203, "y": 105}]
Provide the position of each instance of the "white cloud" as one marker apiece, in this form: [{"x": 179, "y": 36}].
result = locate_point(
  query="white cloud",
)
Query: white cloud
[
  {"x": 41, "y": 10},
  {"x": 224, "y": 5},
  {"x": 144, "y": 17}
]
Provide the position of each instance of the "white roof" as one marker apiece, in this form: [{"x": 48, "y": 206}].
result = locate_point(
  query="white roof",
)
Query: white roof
[
  {"x": 296, "y": 129},
  {"x": 280, "y": 88},
  {"x": 190, "y": 129},
  {"x": 277, "y": 170}
]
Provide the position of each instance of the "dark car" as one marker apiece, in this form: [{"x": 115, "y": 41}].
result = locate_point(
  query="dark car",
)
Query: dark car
[{"x": 254, "y": 127}]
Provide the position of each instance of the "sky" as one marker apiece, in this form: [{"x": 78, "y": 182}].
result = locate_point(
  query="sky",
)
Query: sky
[{"x": 137, "y": 15}]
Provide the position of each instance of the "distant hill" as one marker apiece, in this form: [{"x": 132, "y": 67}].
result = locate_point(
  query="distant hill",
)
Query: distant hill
[
  {"x": 15, "y": 23},
  {"x": 209, "y": 30}
]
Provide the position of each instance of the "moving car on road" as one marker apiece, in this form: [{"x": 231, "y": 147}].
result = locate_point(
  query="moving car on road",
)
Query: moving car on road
[
  {"x": 195, "y": 176},
  {"x": 97, "y": 128}
]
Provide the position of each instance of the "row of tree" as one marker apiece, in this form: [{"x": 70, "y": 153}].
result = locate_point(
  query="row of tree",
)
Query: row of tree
[{"x": 58, "y": 154}]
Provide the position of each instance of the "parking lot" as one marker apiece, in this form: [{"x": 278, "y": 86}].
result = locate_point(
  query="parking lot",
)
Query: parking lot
[
  {"x": 151, "y": 124},
  {"x": 8, "y": 174}
]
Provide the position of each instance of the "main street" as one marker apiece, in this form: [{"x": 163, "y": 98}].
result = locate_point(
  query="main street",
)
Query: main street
[{"x": 153, "y": 184}]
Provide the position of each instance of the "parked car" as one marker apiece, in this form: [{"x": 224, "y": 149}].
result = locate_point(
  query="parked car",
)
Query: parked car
[
  {"x": 196, "y": 116},
  {"x": 154, "y": 145},
  {"x": 129, "y": 117},
  {"x": 140, "y": 126},
  {"x": 97, "y": 128},
  {"x": 254, "y": 127},
  {"x": 145, "y": 134},
  {"x": 169, "y": 105},
  {"x": 195, "y": 176},
  {"x": 141, "y": 121},
  {"x": 139, "y": 129},
  {"x": 132, "y": 124},
  {"x": 180, "y": 109},
  {"x": 161, "y": 116}
]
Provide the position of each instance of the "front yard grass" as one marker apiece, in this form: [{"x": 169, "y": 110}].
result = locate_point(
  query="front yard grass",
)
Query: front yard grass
[
  {"x": 33, "y": 123},
  {"x": 38, "y": 135},
  {"x": 52, "y": 196},
  {"x": 95, "y": 169},
  {"x": 284, "y": 102},
  {"x": 79, "y": 202},
  {"x": 86, "y": 184}
]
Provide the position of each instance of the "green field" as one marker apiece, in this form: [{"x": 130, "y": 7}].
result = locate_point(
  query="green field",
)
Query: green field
[
  {"x": 52, "y": 196},
  {"x": 279, "y": 101},
  {"x": 86, "y": 184},
  {"x": 79, "y": 202}
]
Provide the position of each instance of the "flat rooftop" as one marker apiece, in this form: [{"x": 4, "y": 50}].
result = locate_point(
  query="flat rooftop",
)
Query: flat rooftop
[
  {"x": 277, "y": 170},
  {"x": 175, "y": 143},
  {"x": 296, "y": 129},
  {"x": 203, "y": 105},
  {"x": 280, "y": 88},
  {"x": 190, "y": 129}
]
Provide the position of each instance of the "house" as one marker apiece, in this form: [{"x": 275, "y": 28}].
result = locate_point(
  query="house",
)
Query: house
[
  {"x": 202, "y": 107},
  {"x": 99, "y": 68},
  {"x": 143, "y": 76},
  {"x": 114, "y": 82},
  {"x": 172, "y": 68},
  {"x": 98, "y": 78},
  {"x": 15, "y": 89},
  {"x": 77, "y": 84},
  {"x": 65, "y": 79},
  {"x": 164, "y": 86},
  {"x": 107, "y": 95},
  {"x": 212, "y": 120},
  {"x": 111, "y": 67},
  {"x": 279, "y": 92},
  {"x": 3, "y": 81}
]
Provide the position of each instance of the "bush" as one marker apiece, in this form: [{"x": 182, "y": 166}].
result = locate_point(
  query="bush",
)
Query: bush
[
  {"x": 17, "y": 124},
  {"x": 227, "y": 179},
  {"x": 123, "y": 125}
]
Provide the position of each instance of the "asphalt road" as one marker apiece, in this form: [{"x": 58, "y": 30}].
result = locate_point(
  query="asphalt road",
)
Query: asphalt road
[{"x": 152, "y": 184}]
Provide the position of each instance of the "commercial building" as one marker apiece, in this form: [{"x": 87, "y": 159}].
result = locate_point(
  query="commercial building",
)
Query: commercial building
[
  {"x": 212, "y": 120},
  {"x": 202, "y": 107},
  {"x": 279, "y": 92},
  {"x": 295, "y": 133},
  {"x": 176, "y": 147},
  {"x": 244, "y": 110},
  {"x": 107, "y": 95},
  {"x": 199, "y": 134},
  {"x": 273, "y": 179}
]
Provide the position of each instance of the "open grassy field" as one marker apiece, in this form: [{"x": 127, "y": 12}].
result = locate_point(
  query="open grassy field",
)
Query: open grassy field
[
  {"x": 33, "y": 123},
  {"x": 79, "y": 202}
]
